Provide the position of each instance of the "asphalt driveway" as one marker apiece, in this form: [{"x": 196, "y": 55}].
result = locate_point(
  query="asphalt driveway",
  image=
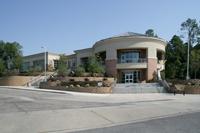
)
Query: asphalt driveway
[{"x": 23, "y": 111}]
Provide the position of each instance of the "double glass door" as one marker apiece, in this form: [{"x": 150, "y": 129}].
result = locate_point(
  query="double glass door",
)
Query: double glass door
[{"x": 132, "y": 77}]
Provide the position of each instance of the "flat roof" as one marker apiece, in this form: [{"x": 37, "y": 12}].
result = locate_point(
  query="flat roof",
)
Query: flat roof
[
  {"x": 40, "y": 54},
  {"x": 81, "y": 50}
]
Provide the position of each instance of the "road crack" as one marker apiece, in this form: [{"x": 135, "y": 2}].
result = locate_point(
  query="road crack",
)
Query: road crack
[
  {"x": 19, "y": 108},
  {"x": 102, "y": 116}
]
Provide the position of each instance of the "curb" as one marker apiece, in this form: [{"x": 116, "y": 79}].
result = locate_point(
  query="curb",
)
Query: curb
[{"x": 54, "y": 91}]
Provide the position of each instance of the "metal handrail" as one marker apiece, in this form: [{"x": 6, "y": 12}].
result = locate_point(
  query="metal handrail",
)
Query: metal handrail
[
  {"x": 134, "y": 60},
  {"x": 39, "y": 77}
]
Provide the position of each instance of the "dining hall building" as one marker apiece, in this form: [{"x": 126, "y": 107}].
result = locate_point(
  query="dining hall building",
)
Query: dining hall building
[{"x": 130, "y": 57}]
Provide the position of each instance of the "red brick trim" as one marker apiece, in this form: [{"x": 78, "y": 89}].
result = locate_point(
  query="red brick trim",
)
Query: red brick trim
[
  {"x": 111, "y": 67},
  {"x": 151, "y": 68}
]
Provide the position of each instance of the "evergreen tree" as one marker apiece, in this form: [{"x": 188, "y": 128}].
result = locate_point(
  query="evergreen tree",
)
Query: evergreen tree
[{"x": 176, "y": 58}]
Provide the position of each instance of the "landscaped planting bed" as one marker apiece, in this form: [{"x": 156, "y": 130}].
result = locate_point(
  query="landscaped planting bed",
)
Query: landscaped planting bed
[{"x": 80, "y": 85}]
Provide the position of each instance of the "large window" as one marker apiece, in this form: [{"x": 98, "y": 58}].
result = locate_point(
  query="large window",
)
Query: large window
[
  {"x": 129, "y": 57},
  {"x": 38, "y": 64}
]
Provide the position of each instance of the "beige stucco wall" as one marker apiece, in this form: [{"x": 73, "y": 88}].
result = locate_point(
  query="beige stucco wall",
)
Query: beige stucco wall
[
  {"x": 51, "y": 59},
  {"x": 152, "y": 45},
  {"x": 83, "y": 53},
  {"x": 112, "y": 45},
  {"x": 30, "y": 59}
]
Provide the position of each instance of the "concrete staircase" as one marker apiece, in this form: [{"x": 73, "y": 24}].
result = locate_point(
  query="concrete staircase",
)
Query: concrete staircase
[
  {"x": 139, "y": 88},
  {"x": 35, "y": 82}
]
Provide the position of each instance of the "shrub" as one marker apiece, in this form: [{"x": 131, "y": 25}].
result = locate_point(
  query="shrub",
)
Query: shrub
[
  {"x": 62, "y": 70},
  {"x": 87, "y": 85},
  {"x": 86, "y": 79},
  {"x": 62, "y": 67},
  {"x": 79, "y": 71},
  {"x": 81, "y": 83},
  {"x": 105, "y": 79},
  {"x": 71, "y": 80},
  {"x": 106, "y": 83},
  {"x": 94, "y": 66}
]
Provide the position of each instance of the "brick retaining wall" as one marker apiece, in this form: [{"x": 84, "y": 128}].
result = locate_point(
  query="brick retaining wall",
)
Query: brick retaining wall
[
  {"x": 78, "y": 89},
  {"x": 15, "y": 80}
]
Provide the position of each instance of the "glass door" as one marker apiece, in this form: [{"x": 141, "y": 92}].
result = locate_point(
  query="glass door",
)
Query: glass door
[
  {"x": 132, "y": 77},
  {"x": 128, "y": 77},
  {"x": 136, "y": 76}
]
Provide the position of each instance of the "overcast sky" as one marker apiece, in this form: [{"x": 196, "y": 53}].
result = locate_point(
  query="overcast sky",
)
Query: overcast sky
[{"x": 67, "y": 25}]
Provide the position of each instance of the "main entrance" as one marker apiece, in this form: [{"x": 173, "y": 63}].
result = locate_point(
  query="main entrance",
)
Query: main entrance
[{"x": 132, "y": 77}]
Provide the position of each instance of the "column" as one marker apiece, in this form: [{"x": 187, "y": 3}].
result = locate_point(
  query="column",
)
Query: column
[
  {"x": 111, "y": 61},
  {"x": 151, "y": 63}
]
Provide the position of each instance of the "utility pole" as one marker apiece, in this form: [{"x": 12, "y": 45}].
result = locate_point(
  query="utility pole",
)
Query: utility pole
[
  {"x": 188, "y": 59},
  {"x": 45, "y": 62}
]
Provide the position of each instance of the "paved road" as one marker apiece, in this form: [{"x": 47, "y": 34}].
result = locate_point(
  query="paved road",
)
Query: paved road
[
  {"x": 188, "y": 123},
  {"x": 15, "y": 100},
  {"x": 23, "y": 111}
]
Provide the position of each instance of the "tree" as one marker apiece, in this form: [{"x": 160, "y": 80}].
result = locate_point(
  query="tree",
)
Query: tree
[
  {"x": 190, "y": 26},
  {"x": 150, "y": 33},
  {"x": 2, "y": 67},
  {"x": 62, "y": 66},
  {"x": 195, "y": 61},
  {"x": 11, "y": 55},
  {"x": 176, "y": 58},
  {"x": 94, "y": 66},
  {"x": 18, "y": 62}
]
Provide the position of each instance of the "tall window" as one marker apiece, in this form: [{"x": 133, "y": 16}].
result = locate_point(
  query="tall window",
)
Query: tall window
[{"x": 55, "y": 64}]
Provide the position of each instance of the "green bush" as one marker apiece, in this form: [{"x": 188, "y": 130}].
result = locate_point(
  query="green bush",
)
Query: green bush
[
  {"x": 94, "y": 66},
  {"x": 79, "y": 71},
  {"x": 62, "y": 67},
  {"x": 81, "y": 83},
  {"x": 85, "y": 83}
]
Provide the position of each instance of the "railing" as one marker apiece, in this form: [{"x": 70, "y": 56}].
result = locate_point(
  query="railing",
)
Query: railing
[
  {"x": 133, "y": 60},
  {"x": 40, "y": 78}
]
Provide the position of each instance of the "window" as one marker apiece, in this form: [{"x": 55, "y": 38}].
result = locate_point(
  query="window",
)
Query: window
[
  {"x": 129, "y": 57},
  {"x": 55, "y": 64}
]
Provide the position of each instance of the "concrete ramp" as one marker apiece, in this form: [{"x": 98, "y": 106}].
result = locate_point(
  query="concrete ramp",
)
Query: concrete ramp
[{"x": 139, "y": 88}]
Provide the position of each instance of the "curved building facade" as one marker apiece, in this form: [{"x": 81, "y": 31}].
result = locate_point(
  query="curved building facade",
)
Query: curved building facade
[{"x": 129, "y": 57}]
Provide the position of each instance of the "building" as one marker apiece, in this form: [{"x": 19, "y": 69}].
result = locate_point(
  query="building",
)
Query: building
[
  {"x": 71, "y": 61},
  {"x": 36, "y": 61},
  {"x": 130, "y": 57}
]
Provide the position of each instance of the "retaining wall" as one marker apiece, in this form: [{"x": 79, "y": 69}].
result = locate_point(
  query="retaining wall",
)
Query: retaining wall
[
  {"x": 15, "y": 80},
  {"x": 78, "y": 89}
]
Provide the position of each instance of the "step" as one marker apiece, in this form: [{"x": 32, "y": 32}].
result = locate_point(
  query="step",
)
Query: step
[{"x": 139, "y": 88}]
